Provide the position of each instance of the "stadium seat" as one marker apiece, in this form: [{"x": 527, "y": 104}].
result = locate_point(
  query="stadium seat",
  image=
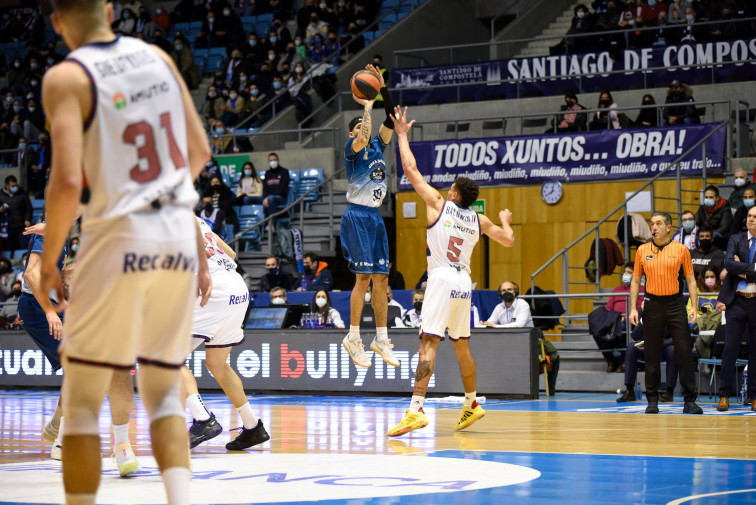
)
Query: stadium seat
[
  {"x": 265, "y": 18},
  {"x": 36, "y": 215},
  {"x": 7, "y": 254},
  {"x": 181, "y": 27},
  {"x": 201, "y": 53},
  {"x": 213, "y": 63},
  {"x": 217, "y": 51},
  {"x": 249, "y": 215},
  {"x": 38, "y": 203},
  {"x": 18, "y": 254},
  {"x": 226, "y": 179},
  {"x": 310, "y": 178}
]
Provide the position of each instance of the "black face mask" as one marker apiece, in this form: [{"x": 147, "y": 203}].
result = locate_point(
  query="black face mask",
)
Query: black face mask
[
  {"x": 705, "y": 244},
  {"x": 507, "y": 297},
  {"x": 16, "y": 292},
  {"x": 273, "y": 270},
  {"x": 418, "y": 306},
  {"x": 307, "y": 269},
  {"x": 208, "y": 208}
]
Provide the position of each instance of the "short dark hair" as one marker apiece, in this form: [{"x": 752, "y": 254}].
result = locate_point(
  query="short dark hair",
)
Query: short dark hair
[
  {"x": 354, "y": 122},
  {"x": 277, "y": 288},
  {"x": 666, "y": 216},
  {"x": 468, "y": 191},
  {"x": 10, "y": 178},
  {"x": 312, "y": 256},
  {"x": 630, "y": 264},
  {"x": 273, "y": 154},
  {"x": 418, "y": 292},
  {"x": 712, "y": 187},
  {"x": 704, "y": 228}
]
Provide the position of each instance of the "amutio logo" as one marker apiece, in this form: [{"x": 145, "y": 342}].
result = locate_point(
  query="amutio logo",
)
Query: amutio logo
[{"x": 332, "y": 363}]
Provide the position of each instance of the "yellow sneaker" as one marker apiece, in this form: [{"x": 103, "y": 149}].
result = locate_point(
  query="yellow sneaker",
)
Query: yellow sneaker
[
  {"x": 411, "y": 421},
  {"x": 470, "y": 415},
  {"x": 125, "y": 459}
]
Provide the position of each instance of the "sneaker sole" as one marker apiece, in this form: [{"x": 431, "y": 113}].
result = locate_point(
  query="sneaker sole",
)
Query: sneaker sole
[
  {"x": 240, "y": 448},
  {"x": 57, "y": 455},
  {"x": 128, "y": 468},
  {"x": 352, "y": 357},
  {"x": 469, "y": 421},
  {"x": 207, "y": 437},
  {"x": 399, "y": 433},
  {"x": 375, "y": 350}
]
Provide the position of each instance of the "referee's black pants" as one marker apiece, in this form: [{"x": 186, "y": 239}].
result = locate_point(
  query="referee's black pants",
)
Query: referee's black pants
[{"x": 660, "y": 312}]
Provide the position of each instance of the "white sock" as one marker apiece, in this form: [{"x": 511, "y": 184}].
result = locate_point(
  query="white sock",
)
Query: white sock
[
  {"x": 176, "y": 481},
  {"x": 59, "y": 440},
  {"x": 199, "y": 411},
  {"x": 417, "y": 403},
  {"x": 248, "y": 417},
  {"x": 120, "y": 434},
  {"x": 469, "y": 399},
  {"x": 80, "y": 499},
  {"x": 354, "y": 333},
  {"x": 381, "y": 333}
]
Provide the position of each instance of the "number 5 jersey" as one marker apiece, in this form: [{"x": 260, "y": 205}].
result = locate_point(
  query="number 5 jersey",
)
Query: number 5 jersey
[{"x": 452, "y": 238}]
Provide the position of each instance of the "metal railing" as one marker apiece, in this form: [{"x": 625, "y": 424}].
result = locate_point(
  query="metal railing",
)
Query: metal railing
[
  {"x": 506, "y": 11},
  {"x": 424, "y": 53},
  {"x": 291, "y": 135},
  {"x": 563, "y": 254},
  {"x": 299, "y": 202}
]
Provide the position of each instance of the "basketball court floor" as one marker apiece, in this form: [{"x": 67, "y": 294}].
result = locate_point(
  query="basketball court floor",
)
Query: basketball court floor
[{"x": 576, "y": 449}]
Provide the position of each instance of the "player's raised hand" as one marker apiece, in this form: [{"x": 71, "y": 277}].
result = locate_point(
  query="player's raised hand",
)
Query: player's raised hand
[
  {"x": 505, "y": 216},
  {"x": 373, "y": 69},
  {"x": 362, "y": 101},
  {"x": 401, "y": 126}
]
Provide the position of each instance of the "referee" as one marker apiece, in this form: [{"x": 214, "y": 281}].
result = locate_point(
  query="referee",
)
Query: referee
[{"x": 661, "y": 260}]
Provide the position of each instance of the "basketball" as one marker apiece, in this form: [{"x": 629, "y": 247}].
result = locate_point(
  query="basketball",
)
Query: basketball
[{"x": 365, "y": 85}]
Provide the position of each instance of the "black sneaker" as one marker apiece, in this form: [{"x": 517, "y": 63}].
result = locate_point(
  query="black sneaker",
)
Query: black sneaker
[
  {"x": 666, "y": 397},
  {"x": 202, "y": 431},
  {"x": 653, "y": 408},
  {"x": 692, "y": 408},
  {"x": 627, "y": 396},
  {"x": 248, "y": 438}
]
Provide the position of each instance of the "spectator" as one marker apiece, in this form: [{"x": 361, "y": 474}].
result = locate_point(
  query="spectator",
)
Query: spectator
[
  {"x": 391, "y": 301},
  {"x": 212, "y": 109},
  {"x": 73, "y": 247},
  {"x": 127, "y": 23},
  {"x": 332, "y": 49},
  {"x": 688, "y": 232},
  {"x": 676, "y": 13},
  {"x": 582, "y": 24},
  {"x": 17, "y": 75},
  {"x": 37, "y": 176},
  {"x": 423, "y": 282},
  {"x": 7, "y": 279},
  {"x": 412, "y": 317},
  {"x": 212, "y": 33},
  {"x": 512, "y": 312},
  {"x": 221, "y": 142},
  {"x": 353, "y": 44},
  {"x": 728, "y": 29},
  {"x": 570, "y": 121},
  {"x": 395, "y": 277},
  {"x": 708, "y": 282},
  {"x": 634, "y": 352},
  {"x": 282, "y": 96},
  {"x": 249, "y": 189},
  {"x": 739, "y": 219},
  {"x": 234, "y": 106},
  {"x": 274, "y": 276},
  {"x": 359, "y": 16},
  {"x": 300, "y": 48},
  {"x": 741, "y": 184},
  {"x": 651, "y": 11},
  {"x": 252, "y": 51},
  {"x": 681, "y": 109},
  {"x": 607, "y": 18},
  {"x": 715, "y": 213},
  {"x": 321, "y": 304},
  {"x": 275, "y": 43},
  {"x": 303, "y": 16},
  {"x": 162, "y": 42},
  {"x": 665, "y": 34},
  {"x": 25, "y": 157},
  {"x": 144, "y": 25},
  {"x": 316, "y": 274},
  {"x": 184, "y": 58},
  {"x": 639, "y": 38},
  {"x": 213, "y": 216},
  {"x": 235, "y": 65},
  {"x": 316, "y": 26},
  {"x": 618, "y": 303},
  {"x": 632, "y": 11},
  {"x": 275, "y": 186},
  {"x": 223, "y": 198},
  {"x": 690, "y": 32},
  {"x": 277, "y": 296},
  {"x": 211, "y": 170},
  {"x": 161, "y": 19},
  {"x": 603, "y": 120},
  {"x": 31, "y": 121},
  {"x": 647, "y": 117},
  {"x": 8, "y": 140},
  {"x": 17, "y": 207},
  {"x": 9, "y": 313},
  {"x": 706, "y": 254},
  {"x": 7, "y": 104},
  {"x": 253, "y": 102}
]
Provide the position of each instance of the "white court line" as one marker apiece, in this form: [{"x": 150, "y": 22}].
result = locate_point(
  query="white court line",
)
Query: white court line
[{"x": 721, "y": 493}]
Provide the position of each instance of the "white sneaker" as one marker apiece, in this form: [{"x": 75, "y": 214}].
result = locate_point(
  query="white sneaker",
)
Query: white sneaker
[
  {"x": 384, "y": 349},
  {"x": 125, "y": 459},
  {"x": 50, "y": 433},
  {"x": 356, "y": 352},
  {"x": 57, "y": 450}
]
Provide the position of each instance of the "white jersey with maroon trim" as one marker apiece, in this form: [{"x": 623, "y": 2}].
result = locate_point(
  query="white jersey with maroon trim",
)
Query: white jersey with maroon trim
[
  {"x": 135, "y": 141},
  {"x": 452, "y": 238},
  {"x": 217, "y": 260}
]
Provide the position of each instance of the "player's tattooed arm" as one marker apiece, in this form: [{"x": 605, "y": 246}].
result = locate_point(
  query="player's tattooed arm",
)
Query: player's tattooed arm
[{"x": 366, "y": 127}]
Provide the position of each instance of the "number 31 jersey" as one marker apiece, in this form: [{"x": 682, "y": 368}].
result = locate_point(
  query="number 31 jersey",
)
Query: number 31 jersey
[
  {"x": 451, "y": 239},
  {"x": 135, "y": 146}
]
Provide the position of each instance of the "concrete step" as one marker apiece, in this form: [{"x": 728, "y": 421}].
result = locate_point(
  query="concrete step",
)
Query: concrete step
[
  {"x": 589, "y": 381},
  {"x": 324, "y": 208}
]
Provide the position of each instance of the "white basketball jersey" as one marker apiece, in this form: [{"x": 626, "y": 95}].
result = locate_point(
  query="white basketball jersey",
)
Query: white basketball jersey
[
  {"x": 452, "y": 238},
  {"x": 135, "y": 146},
  {"x": 217, "y": 259}
]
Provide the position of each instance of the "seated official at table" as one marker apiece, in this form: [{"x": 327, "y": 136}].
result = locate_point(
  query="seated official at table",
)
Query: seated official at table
[{"x": 512, "y": 312}]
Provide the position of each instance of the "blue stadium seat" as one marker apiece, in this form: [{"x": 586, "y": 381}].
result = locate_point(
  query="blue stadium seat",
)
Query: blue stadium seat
[
  {"x": 248, "y": 19},
  {"x": 182, "y": 27},
  {"x": 204, "y": 53},
  {"x": 7, "y": 254},
  {"x": 310, "y": 178},
  {"x": 217, "y": 51},
  {"x": 195, "y": 26},
  {"x": 389, "y": 21},
  {"x": 200, "y": 62},
  {"x": 389, "y": 4},
  {"x": 38, "y": 203},
  {"x": 18, "y": 253},
  {"x": 226, "y": 179},
  {"x": 262, "y": 29},
  {"x": 235, "y": 179},
  {"x": 229, "y": 232},
  {"x": 265, "y": 18},
  {"x": 369, "y": 36},
  {"x": 213, "y": 63},
  {"x": 250, "y": 215},
  {"x": 36, "y": 216}
]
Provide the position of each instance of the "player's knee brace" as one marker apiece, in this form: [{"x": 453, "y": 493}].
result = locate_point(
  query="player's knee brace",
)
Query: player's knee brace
[
  {"x": 83, "y": 392},
  {"x": 160, "y": 390}
]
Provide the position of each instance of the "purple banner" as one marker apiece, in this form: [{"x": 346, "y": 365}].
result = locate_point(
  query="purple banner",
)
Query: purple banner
[
  {"x": 583, "y": 156},
  {"x": 551, "y": 75}
]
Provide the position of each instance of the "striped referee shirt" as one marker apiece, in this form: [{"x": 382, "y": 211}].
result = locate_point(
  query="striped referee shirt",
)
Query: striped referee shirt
[{"x": 662, "y": 267}]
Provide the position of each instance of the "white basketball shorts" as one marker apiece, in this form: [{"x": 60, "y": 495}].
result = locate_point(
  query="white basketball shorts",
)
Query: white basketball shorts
[
  {"x": 447, "y": 303},
  {"x": 219, "y": 323}
]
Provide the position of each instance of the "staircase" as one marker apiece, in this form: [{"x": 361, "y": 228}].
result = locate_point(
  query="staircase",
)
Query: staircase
[{"x": 557, "y": 29}]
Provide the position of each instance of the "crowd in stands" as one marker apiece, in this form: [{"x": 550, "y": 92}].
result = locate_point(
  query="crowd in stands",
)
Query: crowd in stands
[
  {"x": 680, "y": 109},
  {"x": 674, "y": 22}
]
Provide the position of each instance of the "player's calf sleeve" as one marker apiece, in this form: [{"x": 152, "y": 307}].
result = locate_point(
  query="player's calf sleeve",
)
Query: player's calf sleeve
[{"x": 160, "y": 389}]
